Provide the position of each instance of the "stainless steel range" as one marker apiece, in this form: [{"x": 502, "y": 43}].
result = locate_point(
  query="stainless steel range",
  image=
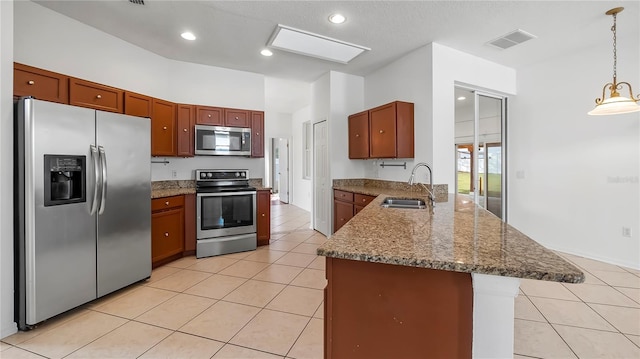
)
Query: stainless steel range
[{"x": 226, "y": 212}]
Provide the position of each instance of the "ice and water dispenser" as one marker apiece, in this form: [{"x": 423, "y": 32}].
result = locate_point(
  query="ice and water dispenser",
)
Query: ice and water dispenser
[{"x": 64, "y": 179}]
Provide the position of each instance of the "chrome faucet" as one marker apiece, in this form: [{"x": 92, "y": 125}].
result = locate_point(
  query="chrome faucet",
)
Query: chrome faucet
[{"x": 412, "y": 181}]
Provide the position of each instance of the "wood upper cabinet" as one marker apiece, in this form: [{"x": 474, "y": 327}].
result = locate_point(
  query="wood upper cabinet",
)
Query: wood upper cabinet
[
  {"x": 167, "y": 229},
  {"x": 359, "y": 135},
  {"x": 206, "y": 115},
  {"x": 93, "y": 95},
  {"x": 186, "y": 120},
  {"x": 41, "y": 84},
  {"x": 136, "y": 104},
  {"x": 237, "y": 118},
  {"x": 163, "y": 128},
  {"x": 263, "y": 225},
  {"x": 390, "y": 132},
  {"x": 257, "y": 132}
]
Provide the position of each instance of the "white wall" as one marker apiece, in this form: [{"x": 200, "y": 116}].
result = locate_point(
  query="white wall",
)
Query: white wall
[
  {"x": 580, "y": 173},
  {"x": 88, "y": 53},
  {"x": 301, "y": 187},
  {"x": 7, "y": 324},
  {"x": 406, "y": 79}
]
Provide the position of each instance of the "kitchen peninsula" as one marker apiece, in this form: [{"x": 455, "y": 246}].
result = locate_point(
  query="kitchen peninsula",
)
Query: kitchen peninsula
[{"x": 404, "y": 282}]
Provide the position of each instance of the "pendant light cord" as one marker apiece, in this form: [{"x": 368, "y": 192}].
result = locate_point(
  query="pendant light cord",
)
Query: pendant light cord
[{"x": 615, "y": 53}]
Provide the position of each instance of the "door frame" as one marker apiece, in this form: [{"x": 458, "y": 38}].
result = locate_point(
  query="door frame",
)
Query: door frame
[{"x": 315, "y": 200}]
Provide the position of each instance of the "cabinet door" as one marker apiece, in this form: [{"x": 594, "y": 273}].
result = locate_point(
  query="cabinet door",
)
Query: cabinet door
[
  {"x": 206, "y": 115},
  {"x": 190, "y": 224},
  {"x": 257, "y": 132},
  {"x": 359, "y": 135},
  {"x": 263, "y": 199},
  {"x": 136, "y": 104},
  {"x": 41, "y": 84},
  {"x": 163, "y": 128},
  {"x": 382, "y": 125},
  {"x": 167, "y": 231},
  {"x": 100, "y": 97},
  {"x": 404, "y": 127},
  {"x": 186, "y": 121},
  {"x": 236, "y": 118},
  {"x": 342, "y": 213}
]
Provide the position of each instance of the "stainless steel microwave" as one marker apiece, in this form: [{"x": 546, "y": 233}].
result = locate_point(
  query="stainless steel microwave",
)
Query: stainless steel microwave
[{"x": 226, "y": 141}]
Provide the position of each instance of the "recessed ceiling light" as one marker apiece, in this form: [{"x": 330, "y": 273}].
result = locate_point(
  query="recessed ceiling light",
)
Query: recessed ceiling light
[
  {"x": 188, "y": 36},
  {"x": 461, "y": 98},
  {"x": 266, "y": 52},
  {"x": 337, "y": 18}
]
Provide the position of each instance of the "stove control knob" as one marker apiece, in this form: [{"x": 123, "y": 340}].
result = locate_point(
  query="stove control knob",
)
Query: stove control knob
[
  {"x": 237, "y": 174},
  {"x": 242, "y": 174},
  {"x": 203, "y": 175},
  {"x": 209, "y": 175}
]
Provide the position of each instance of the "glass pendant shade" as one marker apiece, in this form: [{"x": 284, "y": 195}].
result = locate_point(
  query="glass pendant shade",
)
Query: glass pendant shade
[{"x": 615, "y": 105}]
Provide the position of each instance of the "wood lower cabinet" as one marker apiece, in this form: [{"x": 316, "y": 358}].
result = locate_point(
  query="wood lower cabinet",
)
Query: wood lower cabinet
[
  {"x": 359, "y": 135},
  {"x": 41, "y": 84},
  {"x": 93, "y": 95},
  {"x": 346, "y": 205},
  {"x": 136, "y": 104},
  {"x": 263, "y": 214},
  {"x": 206, "y": 115},
  {"x": 163, "y": 128},
  {"x": 186, "y": 121},
  {"x": 167, "y": 229},
  {"x": 237, "y": 118},
  {"x": 257, "y": 132}
]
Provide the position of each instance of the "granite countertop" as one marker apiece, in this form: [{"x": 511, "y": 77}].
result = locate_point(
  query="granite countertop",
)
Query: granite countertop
[
  {"x": 457, "y": 235},
  {"x": 161, "y": 189}
]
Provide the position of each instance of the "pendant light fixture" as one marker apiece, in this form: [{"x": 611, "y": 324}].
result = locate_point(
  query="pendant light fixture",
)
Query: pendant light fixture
[{"x": 615, "y": 104}]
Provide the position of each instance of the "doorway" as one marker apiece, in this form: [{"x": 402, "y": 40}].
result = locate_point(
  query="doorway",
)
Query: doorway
[
  {"x": 280, "y": 171},
  {"x": 480, "y": 120},
  {"x": 321, "y": 185}
]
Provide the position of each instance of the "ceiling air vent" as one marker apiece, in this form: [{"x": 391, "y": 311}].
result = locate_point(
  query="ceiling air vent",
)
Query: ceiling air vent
[
  {"x": 137, "y": 2},
  {"x": 511, "y": 39}
]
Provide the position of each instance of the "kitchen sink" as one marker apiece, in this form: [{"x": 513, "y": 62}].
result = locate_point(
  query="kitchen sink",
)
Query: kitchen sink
[{"x": 409, "y": 203}]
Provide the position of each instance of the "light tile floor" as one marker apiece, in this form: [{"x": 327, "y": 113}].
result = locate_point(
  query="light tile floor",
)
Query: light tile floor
[{"x": 269, "y": 304}]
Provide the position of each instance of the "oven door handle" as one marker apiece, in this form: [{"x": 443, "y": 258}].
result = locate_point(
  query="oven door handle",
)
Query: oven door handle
[{"x": 220, "y": 194}]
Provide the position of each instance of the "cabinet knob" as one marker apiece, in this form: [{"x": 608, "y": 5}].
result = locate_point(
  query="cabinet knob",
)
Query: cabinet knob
[
  {"x": 184, "y": 129},
  {"x": 357, "y": 135},
  {"x": 381, "y": 131},
  {"x": 164, "y": 128},
  {"x": 263, "y": 215},
  {"x": 364, "y": 200},
  {"x": 209, "y": 115},
  {"x": 166, "y": 203},
  {"x": 31, "y": 82},
  {"x": 166, "y": 234},
  {"x": 98, "y": 96},
  {"x": 237, "y": 118},
  {"x": 257, "y": 133}
]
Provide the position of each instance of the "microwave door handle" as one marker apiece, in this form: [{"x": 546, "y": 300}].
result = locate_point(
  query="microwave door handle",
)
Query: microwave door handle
[
  {"x": 103, "y": 165},
  {"x": 96, "y": 168}
]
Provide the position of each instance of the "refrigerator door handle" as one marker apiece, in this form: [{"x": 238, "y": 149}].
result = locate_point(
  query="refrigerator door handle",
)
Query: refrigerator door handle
[
  {"x": 96, "y": 167},
  {"x": 103, "y": 166}
]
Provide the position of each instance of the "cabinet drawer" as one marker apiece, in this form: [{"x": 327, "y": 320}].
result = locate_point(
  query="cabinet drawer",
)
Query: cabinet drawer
[
  {"x": 206, "y": 115},
  {"x": 41, "y": 84},
  {"x": 362, "y": 199},
  {"x": 343, "y": 195},
  {"x": 159, "y": 204},
  {"x": 93, "y": 95},
  {"x": 236, "y": 118}
]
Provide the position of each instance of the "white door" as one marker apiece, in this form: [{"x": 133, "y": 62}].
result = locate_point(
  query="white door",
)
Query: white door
[
  {"x": 283, "y": 169},
  {"x": 322, "y": 188}
]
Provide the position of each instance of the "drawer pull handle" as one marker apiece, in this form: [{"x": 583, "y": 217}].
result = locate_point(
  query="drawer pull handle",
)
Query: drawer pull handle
[
  {"x": 381, "y": 131},
  {"x": 31, "y": 82},
  {"x": 166, "y": 234},
  {"x": 166, "y": 203},
  {"x": 184, "y": 129},
  {"x": 164, "y": 128},
  {"x": 98, "y": 96}
]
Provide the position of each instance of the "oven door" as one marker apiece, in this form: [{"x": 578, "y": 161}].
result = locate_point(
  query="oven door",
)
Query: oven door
[{"x": 226, "y": 214}]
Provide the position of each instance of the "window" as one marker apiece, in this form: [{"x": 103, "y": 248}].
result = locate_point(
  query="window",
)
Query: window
[{"x": 307, "y": 141}]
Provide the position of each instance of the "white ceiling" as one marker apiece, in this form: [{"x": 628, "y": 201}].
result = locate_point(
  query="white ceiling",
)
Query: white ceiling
[{"x": 232, "y": 33}]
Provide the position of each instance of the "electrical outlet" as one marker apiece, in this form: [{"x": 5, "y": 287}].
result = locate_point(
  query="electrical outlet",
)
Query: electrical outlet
[
  {"x": 626, "y": 232},
  {"x": 174, "y": 174}
]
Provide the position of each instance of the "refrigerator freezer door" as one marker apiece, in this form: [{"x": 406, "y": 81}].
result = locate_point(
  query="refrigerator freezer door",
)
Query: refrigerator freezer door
[
  {"x": 124, "y": 222},
  {"x": 57, "y": 246}
]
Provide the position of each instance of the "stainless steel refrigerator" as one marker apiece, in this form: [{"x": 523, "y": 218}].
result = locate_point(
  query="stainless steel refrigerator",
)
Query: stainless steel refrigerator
[{"x": 82, "y": 206}]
